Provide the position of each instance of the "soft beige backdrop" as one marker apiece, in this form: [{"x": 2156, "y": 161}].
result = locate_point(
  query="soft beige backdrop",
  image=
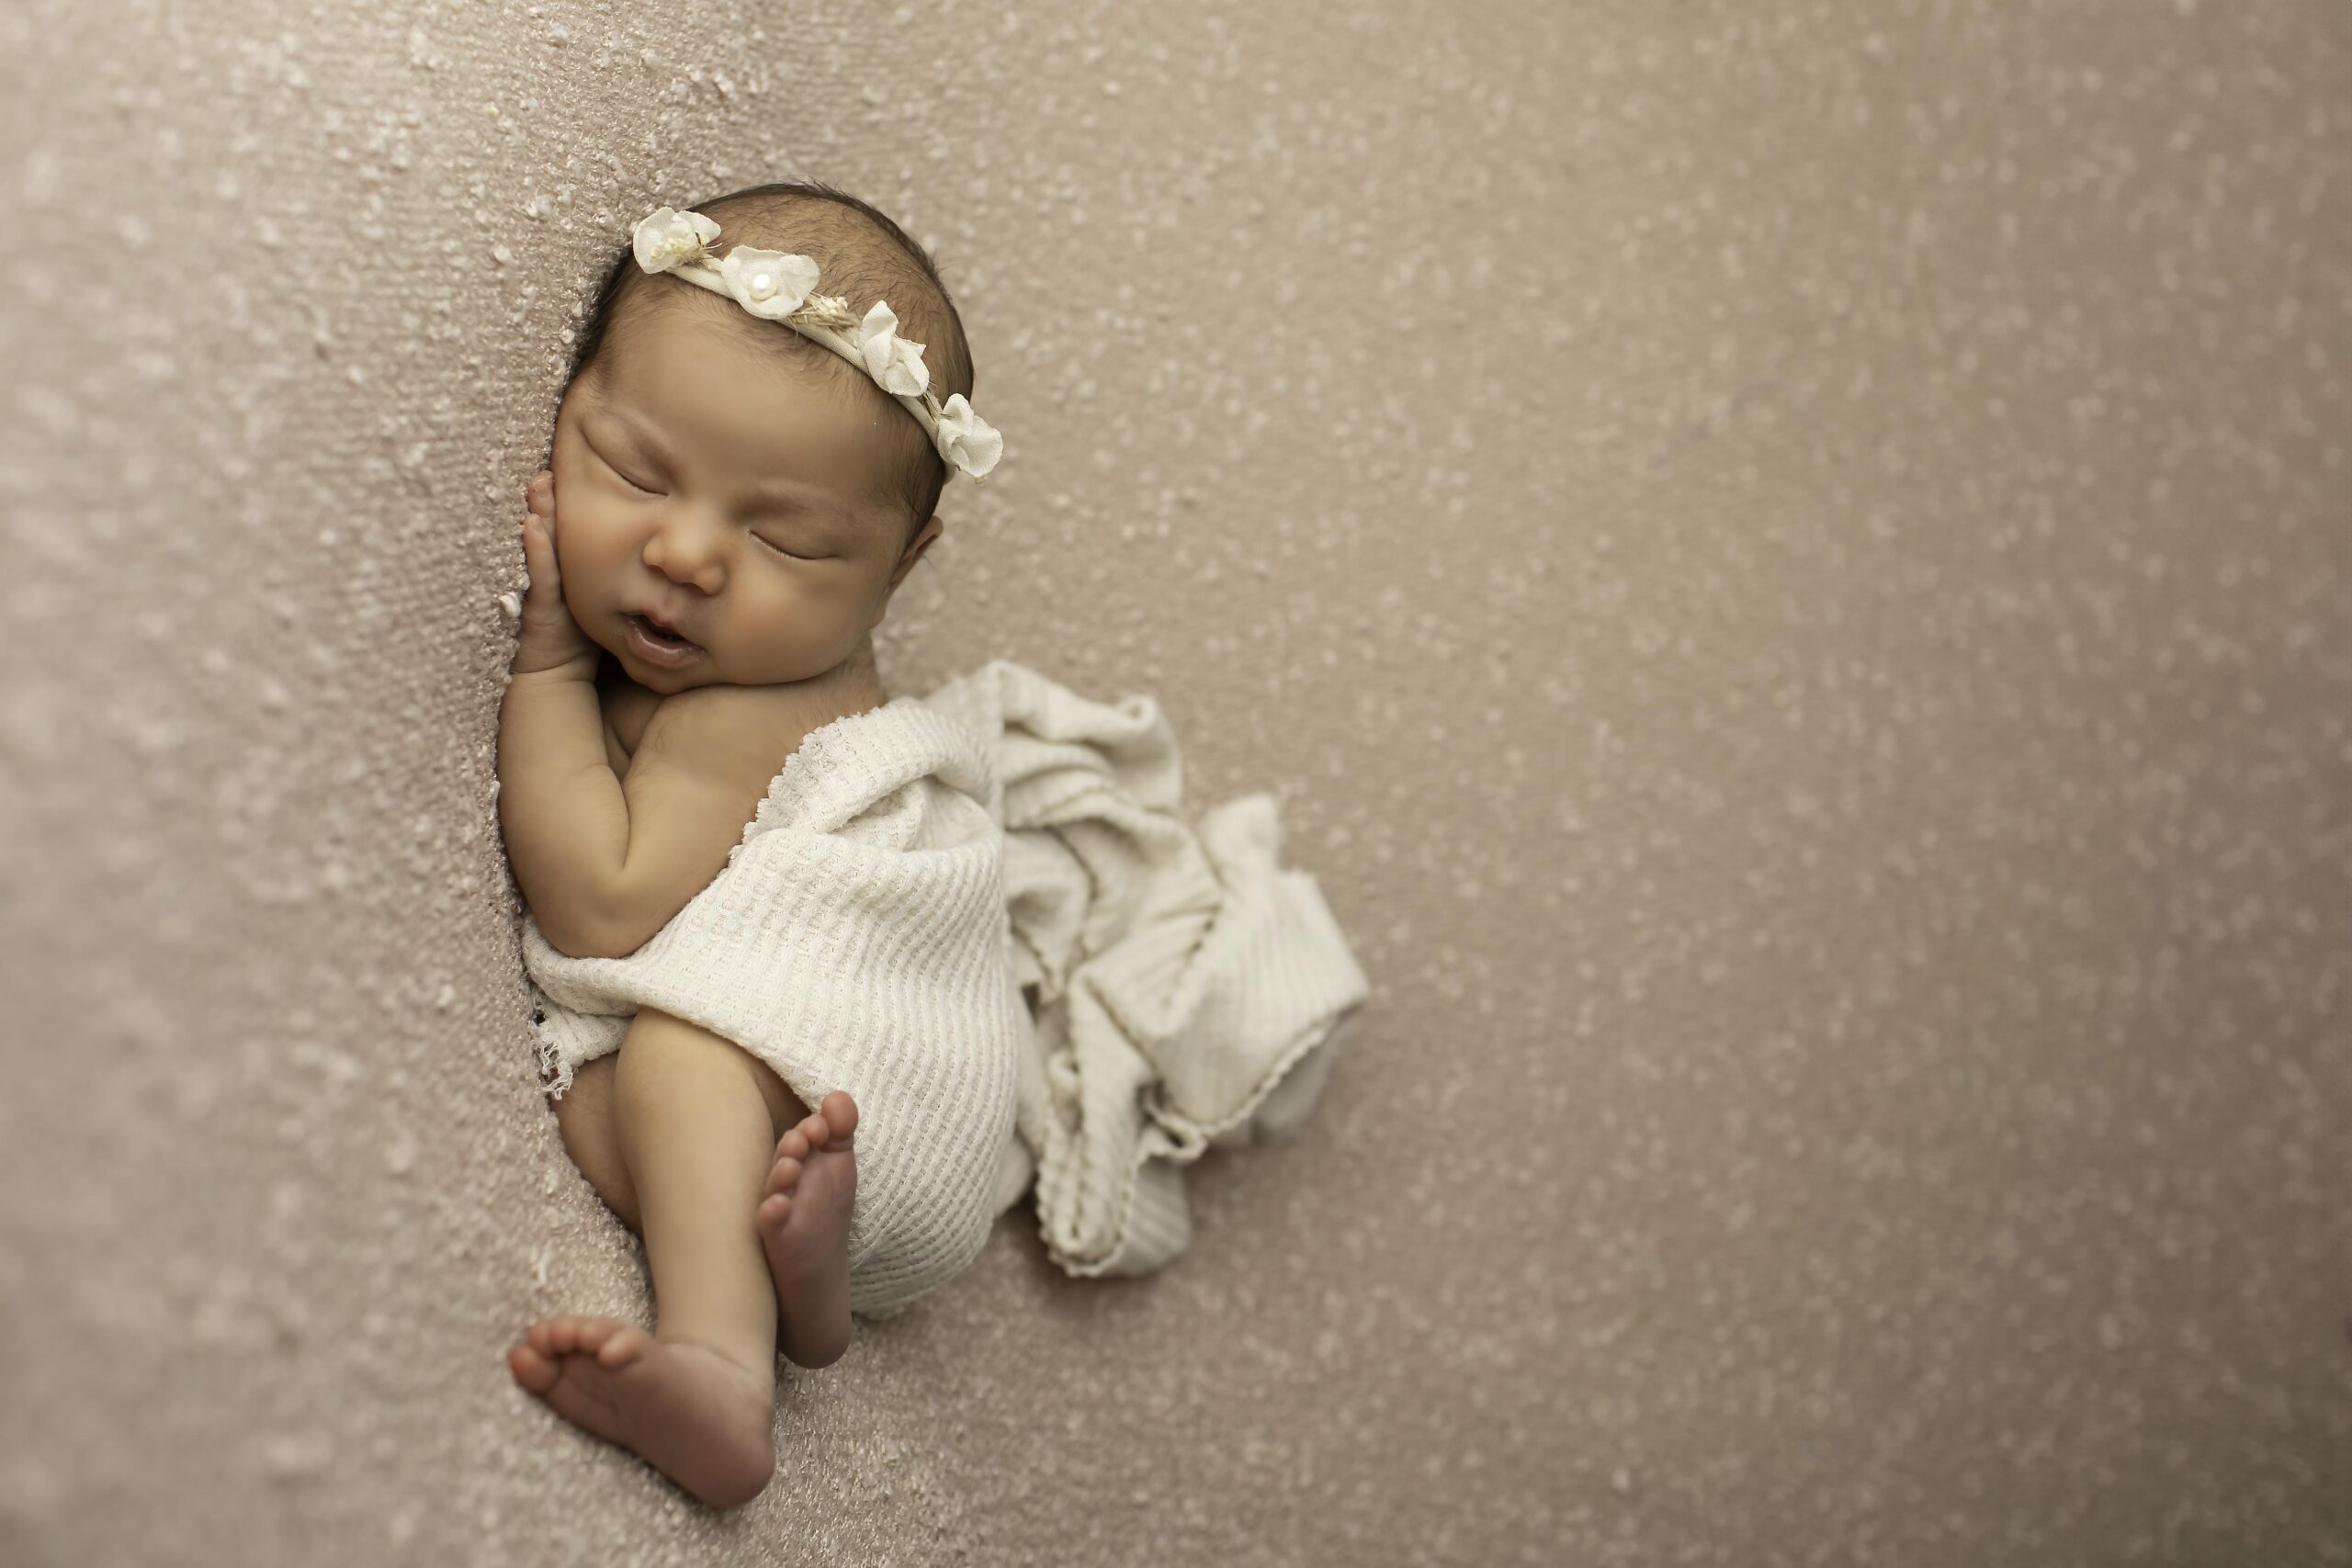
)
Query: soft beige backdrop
[{"x": 1787, "y": 564}]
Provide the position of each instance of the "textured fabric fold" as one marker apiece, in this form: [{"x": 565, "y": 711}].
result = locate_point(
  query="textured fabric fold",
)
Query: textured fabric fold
[{"x": 1188, "y": 991}]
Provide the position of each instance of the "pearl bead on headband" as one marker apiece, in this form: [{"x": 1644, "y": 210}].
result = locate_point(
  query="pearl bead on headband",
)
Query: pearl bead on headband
[{"x": 778, "y": 286}]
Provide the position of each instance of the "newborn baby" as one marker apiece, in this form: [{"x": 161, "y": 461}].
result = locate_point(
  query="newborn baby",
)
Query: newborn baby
[{"x": 729, "y": 506}]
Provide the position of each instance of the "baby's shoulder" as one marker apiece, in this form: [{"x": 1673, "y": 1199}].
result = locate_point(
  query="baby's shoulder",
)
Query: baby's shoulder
[{"x": 748, "y": 731}]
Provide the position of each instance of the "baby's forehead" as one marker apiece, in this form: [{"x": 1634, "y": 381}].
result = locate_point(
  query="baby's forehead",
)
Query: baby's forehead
[
  {"x": 675, "y": 360},
  {"x": 716, "y": 335}
]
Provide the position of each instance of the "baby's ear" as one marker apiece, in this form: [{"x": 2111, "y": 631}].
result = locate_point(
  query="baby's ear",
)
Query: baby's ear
[
  {"x": 915, "y": 547},
  {"x": 907, "y": 559}
]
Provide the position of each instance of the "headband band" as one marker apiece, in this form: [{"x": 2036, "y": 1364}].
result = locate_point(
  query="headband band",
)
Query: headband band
[{"x": 778, "y": 286}]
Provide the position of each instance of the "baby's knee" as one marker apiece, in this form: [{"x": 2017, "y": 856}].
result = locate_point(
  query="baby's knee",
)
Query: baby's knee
[{"x": 668, "y": 1067}]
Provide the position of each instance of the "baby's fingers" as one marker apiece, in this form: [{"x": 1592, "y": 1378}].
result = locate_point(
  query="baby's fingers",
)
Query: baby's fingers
[
  {"x": 539, "y": 494},
  {"x": 538, "y": 556}
]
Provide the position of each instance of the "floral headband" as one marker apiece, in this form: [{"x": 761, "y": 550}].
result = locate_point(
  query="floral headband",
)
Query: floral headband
[{"x": 778, "y": 286}]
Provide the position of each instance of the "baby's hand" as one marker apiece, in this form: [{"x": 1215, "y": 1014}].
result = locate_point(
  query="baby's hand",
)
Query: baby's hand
[{"x": 550, "y": 637}]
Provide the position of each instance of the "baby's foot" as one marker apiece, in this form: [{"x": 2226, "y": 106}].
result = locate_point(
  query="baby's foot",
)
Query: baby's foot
[
  {"x": 803, "y": 1225},
  {"x": 686, "y": 1410}
]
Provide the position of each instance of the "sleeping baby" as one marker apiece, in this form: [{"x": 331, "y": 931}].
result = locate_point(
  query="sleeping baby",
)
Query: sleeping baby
[{"x": 766, "y": 928}]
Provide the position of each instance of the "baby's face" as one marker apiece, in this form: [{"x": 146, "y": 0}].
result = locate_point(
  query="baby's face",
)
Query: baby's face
[{"x": 733, "y": 498}]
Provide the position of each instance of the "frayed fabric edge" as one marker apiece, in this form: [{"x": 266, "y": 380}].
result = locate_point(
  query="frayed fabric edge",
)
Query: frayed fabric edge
[{"x": 555, "y": 1072}]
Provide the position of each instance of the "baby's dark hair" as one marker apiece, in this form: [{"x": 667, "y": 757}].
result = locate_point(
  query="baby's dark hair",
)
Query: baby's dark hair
[{"x": 860, "y": 254}]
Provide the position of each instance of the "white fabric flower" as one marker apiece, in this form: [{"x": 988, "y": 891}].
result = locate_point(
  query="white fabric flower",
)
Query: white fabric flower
[
  {"x": 668, "y": 238},
  {"x": 895, "y": 363},
  {"x": 965, "y": 439},
  {"x": 772, "y": 283}
]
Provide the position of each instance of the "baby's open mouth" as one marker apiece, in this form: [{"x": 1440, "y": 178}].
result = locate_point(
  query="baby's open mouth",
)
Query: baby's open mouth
[{"x": 668, "y": 640}]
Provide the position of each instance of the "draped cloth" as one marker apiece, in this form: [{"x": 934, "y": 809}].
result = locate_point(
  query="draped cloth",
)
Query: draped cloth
[
  {"x": 913, "y": 873},
  {"x": 1189, "y": 992}
]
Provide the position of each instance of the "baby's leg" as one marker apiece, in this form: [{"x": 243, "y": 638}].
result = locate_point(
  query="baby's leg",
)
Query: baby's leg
[
  {"x": 584, "y": 1116},
  {"x": 697, "y": 1399},
  {"x": 803, "y": 1217}
]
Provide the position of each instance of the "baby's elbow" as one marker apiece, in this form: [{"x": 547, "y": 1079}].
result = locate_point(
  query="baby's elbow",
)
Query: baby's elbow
[
  {"x": 620, "y": 933},
  {"x": 573, "y": 937},
  {"x": 576, "y": 947}
]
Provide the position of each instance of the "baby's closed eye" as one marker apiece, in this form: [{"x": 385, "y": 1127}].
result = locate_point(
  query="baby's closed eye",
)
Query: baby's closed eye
[
  {"x": 644, "y": 489},
  {"x": 622, "y": 474}
]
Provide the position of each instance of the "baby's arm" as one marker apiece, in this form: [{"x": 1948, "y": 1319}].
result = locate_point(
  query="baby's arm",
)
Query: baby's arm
[
  {"x": 701, "y": 769},
  {"x": 560, "y": 806}
]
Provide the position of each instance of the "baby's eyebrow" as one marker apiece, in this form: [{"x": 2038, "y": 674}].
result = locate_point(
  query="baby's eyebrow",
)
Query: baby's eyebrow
[
  {"x": 792, "y": 492},
  {"x": 631, "y": 425}
]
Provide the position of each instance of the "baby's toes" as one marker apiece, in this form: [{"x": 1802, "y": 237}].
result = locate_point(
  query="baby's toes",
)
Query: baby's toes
[
  {"x": 775, "y": 1209},
  {"x": 532, "y": 1369},
  {"x": 575, "y": 1334},
  {"x": 608, "y": 1339},
  {"x": 615, "y": 1344},
  {"x": 839, "y": 1113},
  {"x": 588, "y": 1333},
  {"x": 785, "y": 1174},
  {"x": 794, "y": 1144},
  {"x": 815, "y": 1130}
]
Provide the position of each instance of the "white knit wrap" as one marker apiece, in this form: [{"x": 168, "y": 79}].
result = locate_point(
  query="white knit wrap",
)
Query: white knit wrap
[
  {"x": 1190, "y": 991},
  {"x": 910, "y": 870},
  {"x": 855, "y": 941}
]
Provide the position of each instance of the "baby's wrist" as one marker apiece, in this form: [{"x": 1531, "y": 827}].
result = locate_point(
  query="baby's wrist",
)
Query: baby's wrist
[{"x": 581, "y": 668}]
